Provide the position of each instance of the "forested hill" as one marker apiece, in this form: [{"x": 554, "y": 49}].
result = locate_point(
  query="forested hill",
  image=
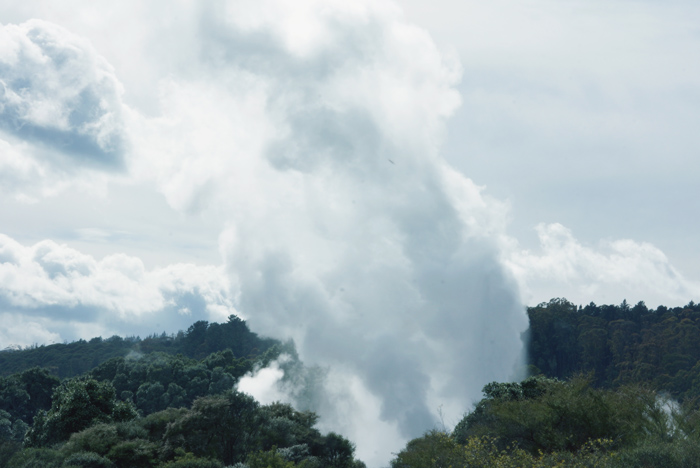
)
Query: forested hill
[
  {"x": 618, "y": 344},
  {"x": 200, "y": 339},
  {"x": 160, "y": 402}
]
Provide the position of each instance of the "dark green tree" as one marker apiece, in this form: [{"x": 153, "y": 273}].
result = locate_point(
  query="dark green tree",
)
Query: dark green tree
[
  {"x": 76, "y": 405},
  {"x": 224, "y": 427}
]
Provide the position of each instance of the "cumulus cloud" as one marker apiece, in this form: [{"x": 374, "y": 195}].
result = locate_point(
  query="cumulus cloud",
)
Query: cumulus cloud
[
  {"x": 613, "y": 270},
  {"x": 47, "y": 283},
  {"x": 60, "y": 109}
]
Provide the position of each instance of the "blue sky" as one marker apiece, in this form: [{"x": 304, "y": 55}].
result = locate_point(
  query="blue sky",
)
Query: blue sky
[{"x": 373, "y": 178}]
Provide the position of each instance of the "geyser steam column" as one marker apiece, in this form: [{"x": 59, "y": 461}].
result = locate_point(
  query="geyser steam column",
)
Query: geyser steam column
[{"x": 347, "y": 231}]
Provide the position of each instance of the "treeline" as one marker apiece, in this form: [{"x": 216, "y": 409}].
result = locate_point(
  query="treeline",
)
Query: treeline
[
  {"x": 594, "y": 400},
  {"x": 150, "y": 408},
  {"x": 618, "y": 344},
  {"x": 200, "y": 339},
  {"x": 543, "y": 422},
  {"x": 87, "y": 426}
]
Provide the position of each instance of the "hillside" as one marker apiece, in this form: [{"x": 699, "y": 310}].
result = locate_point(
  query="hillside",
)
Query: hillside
[{"x": 199, "y": 340}]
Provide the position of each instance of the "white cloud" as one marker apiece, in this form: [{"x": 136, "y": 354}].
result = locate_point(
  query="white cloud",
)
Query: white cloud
[
  {"x": 18, "y": 331},
  {"x": 59, "y": 91},
  {"x": 611, "y": 271},
  {"x": 53, "y": 282},
  {"x": 60, "y": 111}
]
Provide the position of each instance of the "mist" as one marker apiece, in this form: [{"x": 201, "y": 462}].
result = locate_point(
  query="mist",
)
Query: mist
[{"x": 347, "y": 230}]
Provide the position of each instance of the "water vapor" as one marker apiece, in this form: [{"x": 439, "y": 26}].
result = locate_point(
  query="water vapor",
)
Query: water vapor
[{"x": 317, "y": 136}]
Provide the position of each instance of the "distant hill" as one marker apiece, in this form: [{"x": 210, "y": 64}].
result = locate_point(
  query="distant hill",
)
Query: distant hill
[{"x": 76, "y": 358}]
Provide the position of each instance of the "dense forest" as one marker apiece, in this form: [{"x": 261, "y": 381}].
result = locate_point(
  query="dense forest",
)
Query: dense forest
[
  {"x": 618, "y": 345},
  {"x": 610, "y": 386},
  {"x": 200, "y": 340},
  {"x": 163, "y": 401}
]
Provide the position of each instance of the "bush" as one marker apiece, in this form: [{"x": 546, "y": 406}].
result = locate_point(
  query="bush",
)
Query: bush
[
  {"x": 549, "y": 415},
  {"x": 98, "y": 439},
  {"x": 36, "y": 458},
  {"x": 87, "y": 460},
  {"x": 188, "y": 460},
  {"x": 438, "y": 449},
  {"x": 7, "y": 450},
  {"x": 137, "y": 453},
  {"x": 662, "y": 454},
  {"x": 269, "y": 459}
]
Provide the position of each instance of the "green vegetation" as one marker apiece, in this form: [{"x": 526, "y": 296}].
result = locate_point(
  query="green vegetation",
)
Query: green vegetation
[
  {"x": 594, "y": 400},
  {"x": 200, "y": 340},
  {"x": 619, "y": 345},
  {"x": 217, "y": 431},
  {"x": 543, "y": 422},
  {"x": 156, "y": 403}
]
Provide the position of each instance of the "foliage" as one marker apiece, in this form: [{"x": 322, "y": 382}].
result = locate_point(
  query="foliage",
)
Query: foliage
[
  {"x": 541, "y": 414},
  {"x": 188, "y": 460},
  {"x": 36, "y": 458},
  {"x": 73, "y": 359},
  {"x": 188, "y": 413},
  {"x": 619, "y": 345},
  {"x": 269, "y": 459},
  {"x": 77, "y": 404},
  {"x": 25, "y": 393},
  {"x": 7, "y": 450},
  {"x": 87, "y": 460},
  {"x": 221, "y": 427},
  {"x": 158, "y": 381},
  {"x": 136, "y": 453},
  {"x": 102, "y": 438},
  {"x": 438, "y": 449},
  {"x": 543, "y": 422}
]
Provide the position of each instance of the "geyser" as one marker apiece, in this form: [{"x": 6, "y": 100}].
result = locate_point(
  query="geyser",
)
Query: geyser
[{"x": 317, "y": 137}]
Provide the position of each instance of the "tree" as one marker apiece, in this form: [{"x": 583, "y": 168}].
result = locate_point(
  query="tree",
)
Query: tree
[
  {"x": 269, "y": 459},
  {"x": 77, "y": 405},
  {"x": 137, "y": 453},
  {"x": 561, "y": 416},
  {"x": 434, "y": 449},
  {"x": 87, "y": 460},
  {"x": 36, "y": 458},
  {"x": 39, "y": 385},
  {"x": 554, "y": 347},
  {"x": 222, "y": 427},
  {"x": 337, "y": 451}
]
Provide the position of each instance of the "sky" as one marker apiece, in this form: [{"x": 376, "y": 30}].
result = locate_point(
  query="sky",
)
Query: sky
[{"x": 387, "y": 183}]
